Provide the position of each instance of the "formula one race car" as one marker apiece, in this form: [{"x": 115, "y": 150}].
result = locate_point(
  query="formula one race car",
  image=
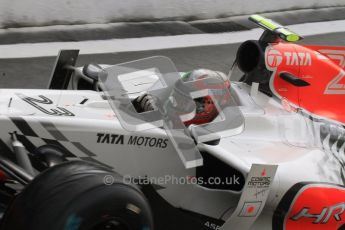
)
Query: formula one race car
[{"x": 141, "y": 146}]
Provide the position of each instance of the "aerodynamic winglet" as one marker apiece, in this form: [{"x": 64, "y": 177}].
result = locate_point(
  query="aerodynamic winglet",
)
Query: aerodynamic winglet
[{"x": 276, "y": 28}]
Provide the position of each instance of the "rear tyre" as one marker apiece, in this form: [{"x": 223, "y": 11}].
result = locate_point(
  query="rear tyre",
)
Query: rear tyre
[{"x": 73, "y": 196}]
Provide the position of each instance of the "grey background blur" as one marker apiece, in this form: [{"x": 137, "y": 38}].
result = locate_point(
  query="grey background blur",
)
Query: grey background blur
[
  {"x": 33, "y": 21},
  {"x": 18, "y": 13}
]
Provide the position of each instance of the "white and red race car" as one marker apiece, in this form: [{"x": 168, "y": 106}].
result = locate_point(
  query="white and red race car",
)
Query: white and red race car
[{"x": 136, "y": 146}]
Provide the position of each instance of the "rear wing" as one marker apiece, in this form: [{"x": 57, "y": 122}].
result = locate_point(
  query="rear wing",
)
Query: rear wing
[{"x": 275, "y": 28}]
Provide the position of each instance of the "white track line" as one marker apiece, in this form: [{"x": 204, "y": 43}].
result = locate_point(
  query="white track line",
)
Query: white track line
[{"x": 26, "y": 50}]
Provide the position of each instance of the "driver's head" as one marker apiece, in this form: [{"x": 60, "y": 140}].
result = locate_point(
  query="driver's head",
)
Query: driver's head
[
  {"x": 206, "y": 111},
  {"x": 205, "y": 73}
]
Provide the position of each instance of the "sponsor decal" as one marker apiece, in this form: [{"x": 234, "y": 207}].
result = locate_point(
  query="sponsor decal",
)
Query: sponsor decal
[
  {"x": 38, "y": 104},
  {"x": 298, "y": 58},
  {"x": 212, "y": 225},
  {"x": 323, "y": 216},
  {"x": 260, "y": 182},
  {"x": 298, "y": 209},
  {"x": 250, "y": 209},
  {"x": 148, "y": 141},
  {"x": 141, "y": 141},
  {"x": 275, "y": 58},
  {"x": 253, "y": 198},
  {"x": 106, "y": 138}
]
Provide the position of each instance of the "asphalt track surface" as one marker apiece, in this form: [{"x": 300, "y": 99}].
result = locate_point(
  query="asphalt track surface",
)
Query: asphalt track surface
[{"x": 35, "y": 72}]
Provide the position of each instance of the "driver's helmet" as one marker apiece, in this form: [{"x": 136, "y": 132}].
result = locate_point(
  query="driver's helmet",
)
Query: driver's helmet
[{"x": 206, "y": 111}]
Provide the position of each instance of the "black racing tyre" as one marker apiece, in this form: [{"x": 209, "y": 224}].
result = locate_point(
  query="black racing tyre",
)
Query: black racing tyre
[{"x": 73, "y": 196}]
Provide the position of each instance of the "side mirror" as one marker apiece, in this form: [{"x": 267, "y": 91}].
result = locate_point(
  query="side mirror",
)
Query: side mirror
[
  {"x": 92, "y": 71},
  {"x": 63, "y": 69}
]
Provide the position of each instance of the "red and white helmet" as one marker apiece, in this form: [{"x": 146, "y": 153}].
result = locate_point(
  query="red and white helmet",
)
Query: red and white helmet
[{"x": 206, "y": 111}]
